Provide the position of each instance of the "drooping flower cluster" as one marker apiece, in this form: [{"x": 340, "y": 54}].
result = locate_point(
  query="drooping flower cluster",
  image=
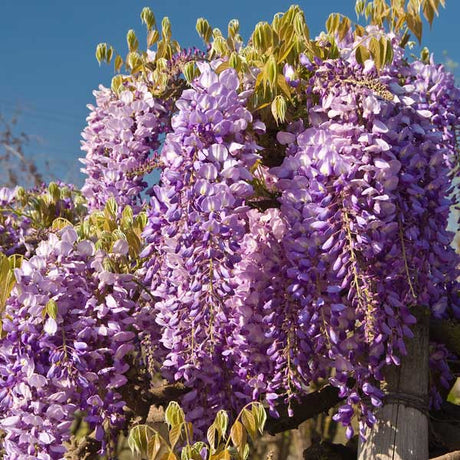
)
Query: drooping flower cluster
[
  {"x": 121, "y": 140},
  {"x": 363, "y": 190},
  {"x": 67, "y": 328},
  {"x": 195, "y": 224}
]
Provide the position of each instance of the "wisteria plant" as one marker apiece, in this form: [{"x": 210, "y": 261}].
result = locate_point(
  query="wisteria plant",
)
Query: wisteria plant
[{"x": 296, "y": 234}]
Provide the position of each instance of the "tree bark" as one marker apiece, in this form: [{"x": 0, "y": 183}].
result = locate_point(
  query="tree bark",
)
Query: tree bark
[{"x": 401, "y": 432}]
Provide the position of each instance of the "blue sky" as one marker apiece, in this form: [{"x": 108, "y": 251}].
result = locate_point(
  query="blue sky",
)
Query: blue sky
[{"x": 48, "y": 70}]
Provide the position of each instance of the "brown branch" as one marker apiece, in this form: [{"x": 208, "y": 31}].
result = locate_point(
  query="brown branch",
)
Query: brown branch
[
  {"x": 138, "y": 400},
  {"x": 161, "y": 396},
  {"x": 306, "y": 407},
  {"x": 84, "y": 448},
  {"x": 450, "y": 456}
]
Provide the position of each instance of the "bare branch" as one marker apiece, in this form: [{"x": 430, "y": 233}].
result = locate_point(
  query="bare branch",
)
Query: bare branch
[{"x": 450, "y": 456}]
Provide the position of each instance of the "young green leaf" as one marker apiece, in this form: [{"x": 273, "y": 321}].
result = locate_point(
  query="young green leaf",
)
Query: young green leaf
[
  {"x": 139, "y": 438},
  {"x": 174, "y": 415},
  {"x": 249, "y": 422}
]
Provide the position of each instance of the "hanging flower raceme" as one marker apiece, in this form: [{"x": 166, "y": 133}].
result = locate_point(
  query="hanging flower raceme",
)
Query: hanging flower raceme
[
  {"x": 121, "y": 140},
  {"x": 196, "y": 222},
  {"x": 67, "y": 329},
  {"x": 266, "y": 355},
  {"x": 363, "y": 191}
]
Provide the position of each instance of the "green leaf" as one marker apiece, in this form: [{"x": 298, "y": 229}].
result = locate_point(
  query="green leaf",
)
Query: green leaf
[
  {"x": 344, "y": 27},
  {"x": 233, "y": 28},
  {"x": 238, "y": 437},
  {"x": 374, "y": 47},
  {"x": 221, "y": 423},
  {"x": 332, "y": 23},
  {"x": 222, "y": 455},
  {"x": 414, "y": 22},
  {"x": 139, "y": 438},
  {"x": 211, "y": 437},
  {"x": 51, "y": 309},
  {"x": 278, "y": 108},
  {"x": 157, "y": 447},
  {"x": 109, "y": 55},
  {"x": 131, "y": 39},
  {"x": 7, "y": 278},
  {"x": 271, "y": 71},
  {"x": 174, "y": 435},
  {"x": 152, "y": 37},
  {"x": 117, "y": 66},
  {"x": 190, "y": 71},
  {"x": 59, "y": 223},
  {"x": 111, "y": 208},
  {"x": 362, "y": 54},
  {"x": 260, "y": 416},
  {"x": 249, "y": 422},
  {"x": 174, "y": 415},
  {"x": 428, "y": 12},
  {"x": 127, "y": 217},
  {"x": 166, "y": 29},
  {"x": 148, "y": 18},
  {"x": 204, "y": 29},
  {"x": 101, "y": 52},
  {"x": 359, "y": 7}
]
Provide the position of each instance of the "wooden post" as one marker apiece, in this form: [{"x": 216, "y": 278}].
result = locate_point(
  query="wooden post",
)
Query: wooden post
[{"x": 401, "y": 432}]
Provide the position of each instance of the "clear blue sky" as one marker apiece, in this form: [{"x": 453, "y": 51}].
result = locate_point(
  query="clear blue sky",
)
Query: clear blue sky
[{"x": 48, "y": 69}]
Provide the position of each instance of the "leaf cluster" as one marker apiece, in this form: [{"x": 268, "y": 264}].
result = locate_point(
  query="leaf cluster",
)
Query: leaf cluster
[
  {"x": 7, "y": 279},
  {"x": 149, "y": 444},
  {"x": 111, "y": 225},
  {"x": 400, "y": 16},
  {"x": 271, "y": 46}
]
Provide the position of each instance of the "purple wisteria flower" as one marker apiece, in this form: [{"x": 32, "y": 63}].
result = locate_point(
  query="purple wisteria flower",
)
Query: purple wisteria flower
[
  {"x": 121, "y": 140},
  {"x": 67, "y": 329},
  {"x": 196, "y": 222}
]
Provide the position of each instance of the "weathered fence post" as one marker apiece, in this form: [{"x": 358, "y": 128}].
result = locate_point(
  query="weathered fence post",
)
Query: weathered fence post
[{"x": 401, "y": 432}]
